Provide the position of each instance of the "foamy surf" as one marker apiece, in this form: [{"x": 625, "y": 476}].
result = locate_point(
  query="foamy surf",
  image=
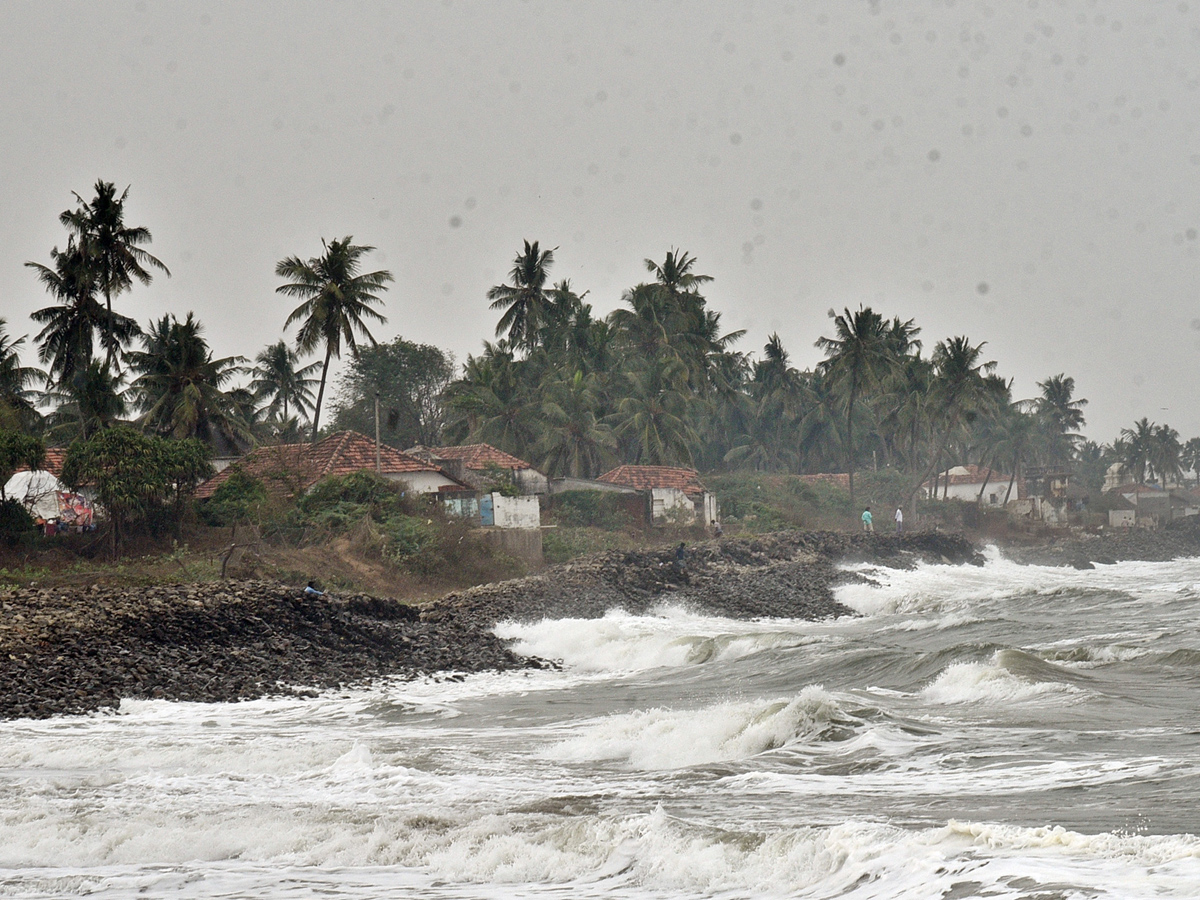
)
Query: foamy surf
[
  {"x": 673, "y": 637},
  {"x": 981, "y": 732}
]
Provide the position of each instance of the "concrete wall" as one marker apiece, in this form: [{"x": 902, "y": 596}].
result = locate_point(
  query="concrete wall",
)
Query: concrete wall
[
  {"x": 712, "y": 513},
  {"x": 996, "y": 489},
  {"x": 422, "y": 482},
  {"x": 567, "y": 483},
  {"x": 523, "y": 543},
  {"x": 531, "y": 481},
  {"x": 516, "y": 512},
  {"x": 1122, "y": 518},
  {"x": 671, "y": 506}
]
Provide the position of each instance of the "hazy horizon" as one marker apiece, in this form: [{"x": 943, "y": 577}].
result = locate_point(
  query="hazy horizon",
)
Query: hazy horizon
[{"x": 1017, "y": 175}]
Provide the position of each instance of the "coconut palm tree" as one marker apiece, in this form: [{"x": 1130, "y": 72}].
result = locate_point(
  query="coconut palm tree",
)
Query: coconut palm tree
[
  {"x": 574, "y": 441},
  {"x": 651, "y": 420},
  {"x": 179, "y": 386},
  {"x": 1061, "y": 414},
  {"x": 526, "y": 299},
  {"x": 113, "y": 248},
  {"x": 960, "y": 390},
  {"x": 277, "y": 380},
  {"x": 67, "y": 340},
  {"x": 1190, "y": 456},
  {"x": 17, "y": 408},
  {"x": 337, "y": 297},
  {"x": 857, "y": 358},
  {"x": 1165, "y": 452},
  {"x": 1138, "y": 444},
  {"x": 1014, "y": 436}
]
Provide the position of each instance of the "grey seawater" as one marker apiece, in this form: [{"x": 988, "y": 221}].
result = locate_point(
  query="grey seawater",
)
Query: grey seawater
[{"x": 1003, "y": 731}]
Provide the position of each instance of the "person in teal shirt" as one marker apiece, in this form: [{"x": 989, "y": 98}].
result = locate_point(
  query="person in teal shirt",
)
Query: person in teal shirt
[{"x": 868, "y": 522}]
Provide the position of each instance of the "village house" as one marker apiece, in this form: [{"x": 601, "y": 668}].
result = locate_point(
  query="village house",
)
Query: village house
[
  {"x": 293, "y": 469},
  {"x": 674, "y": 495},
  {"x": 480, "y": 464},
  {"x": 47, "y": 499},
  {"x": 967, "y": 482}
]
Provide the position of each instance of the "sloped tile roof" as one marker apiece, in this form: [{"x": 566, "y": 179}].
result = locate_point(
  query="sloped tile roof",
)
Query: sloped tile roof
[
  {"x": 53, "y": 461},
  {"x": 643, "y": 478},
  {"x": 480, "y": 456},
  {"x": 294, "y": 468}
]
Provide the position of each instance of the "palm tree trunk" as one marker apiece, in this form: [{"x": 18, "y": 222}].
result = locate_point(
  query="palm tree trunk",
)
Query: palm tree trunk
[
  {"x": 986, "y": 478},
  {"x": 108, "y": 327},
  {"x": 1013, "y": 477},
  {"x": 850, "y": 440},
  {"x": 321, "y": 392}
]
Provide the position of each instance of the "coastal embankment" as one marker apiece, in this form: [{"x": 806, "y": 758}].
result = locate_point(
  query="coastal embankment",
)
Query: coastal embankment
[{"x": 65, "y": 651}]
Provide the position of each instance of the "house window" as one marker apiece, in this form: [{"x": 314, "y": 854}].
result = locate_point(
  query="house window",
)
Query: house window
[{"x": 994, "y": 499}]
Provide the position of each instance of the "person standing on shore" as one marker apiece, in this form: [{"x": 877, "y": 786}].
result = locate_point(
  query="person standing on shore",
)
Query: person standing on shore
[
  {"x": 867, "y": 520},
  {"x": 680, "y": 563},
  {"x": 899, "y": 520}
]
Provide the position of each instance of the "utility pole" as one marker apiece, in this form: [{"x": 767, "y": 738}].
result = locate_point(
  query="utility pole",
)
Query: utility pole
[{"x": 378, "y": 465}]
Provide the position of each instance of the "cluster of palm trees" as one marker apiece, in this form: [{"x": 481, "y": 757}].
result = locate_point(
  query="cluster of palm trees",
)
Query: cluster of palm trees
[
  {"x": 102, "y": 368},
  {"x": 1154, "y": 452},
  {"x": 656, "y": 381}
]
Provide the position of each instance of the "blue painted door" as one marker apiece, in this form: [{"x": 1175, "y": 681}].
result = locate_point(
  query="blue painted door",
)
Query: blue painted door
[{"x": 486, "y": 515}]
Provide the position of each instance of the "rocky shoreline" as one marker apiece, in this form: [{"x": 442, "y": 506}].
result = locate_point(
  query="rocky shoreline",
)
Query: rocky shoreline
[
  {"x": 1086, "y": 551},
  {"x": 68, "y": 651}
]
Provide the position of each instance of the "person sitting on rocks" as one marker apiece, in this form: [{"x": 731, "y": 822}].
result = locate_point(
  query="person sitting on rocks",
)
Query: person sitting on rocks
[
  {"x": 717, "y": 529},
  {"x": 311, "y": 590}
]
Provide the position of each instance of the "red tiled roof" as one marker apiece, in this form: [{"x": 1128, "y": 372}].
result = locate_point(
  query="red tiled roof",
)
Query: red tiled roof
[
  {"x": 643, "y": 478},
  {"x": 480, "y": 456},
  {"x": 294, "y": 468},
  {"x": 53, "y": 461}
]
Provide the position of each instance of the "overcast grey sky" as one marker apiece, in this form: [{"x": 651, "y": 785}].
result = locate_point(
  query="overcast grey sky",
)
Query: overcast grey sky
[{"x": 1024, "y": 173}]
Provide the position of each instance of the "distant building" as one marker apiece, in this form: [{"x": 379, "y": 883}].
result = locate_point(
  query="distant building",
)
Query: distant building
[
  {"x": 293, "y": 469},
  {"x": 479, "y": 464},
  {"x": 966, "y": 482},
  {"x": 675, "y": 495}
]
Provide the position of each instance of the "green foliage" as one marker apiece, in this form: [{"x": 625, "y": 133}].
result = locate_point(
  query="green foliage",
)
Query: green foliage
[
  {"x": 17, "y": 450},
  {"x": 410, "y": 379},
  {"x": 563, "y": 544},
  {"x": 15, "y": 522},
  {"x": 186, "y": 463},
  {"x": 238, "y": 499},
  {"x": 502, "y": 481},
  {"x": 408, "y": 541},
  {"x": 179, "y": 385},
  {"x": 361, "y": 488},
  {"x": 594, "y": 509},
  {"x": 769, "y": 502},
  {"x": 132, "y": 473}
]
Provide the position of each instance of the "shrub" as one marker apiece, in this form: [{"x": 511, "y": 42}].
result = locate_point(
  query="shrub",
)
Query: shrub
[
  {"x": 15, "y": 522},
  {"x": 238, "y": 499},
  {"x": 594, "y": 509}
]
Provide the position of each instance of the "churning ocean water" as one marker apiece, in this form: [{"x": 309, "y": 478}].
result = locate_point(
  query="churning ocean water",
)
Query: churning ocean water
[{"x": 1000, "y": 732}]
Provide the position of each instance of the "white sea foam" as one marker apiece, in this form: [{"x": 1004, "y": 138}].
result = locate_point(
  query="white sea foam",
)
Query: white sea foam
[
  {"x": 670, "y": 739},
  {"x": 620, "y": 642},
  {"x": 973, "y": 682},
  {"x": 934, "y": 591}
]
